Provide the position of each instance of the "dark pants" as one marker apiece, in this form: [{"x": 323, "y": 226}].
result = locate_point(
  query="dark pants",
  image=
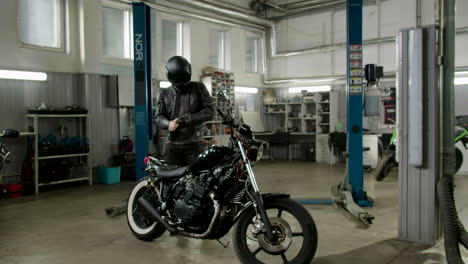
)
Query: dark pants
[{"x": 182, "y": 155}]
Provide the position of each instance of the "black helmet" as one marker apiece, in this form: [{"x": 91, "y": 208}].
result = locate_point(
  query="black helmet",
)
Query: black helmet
[{"x": 178, "y": 70}]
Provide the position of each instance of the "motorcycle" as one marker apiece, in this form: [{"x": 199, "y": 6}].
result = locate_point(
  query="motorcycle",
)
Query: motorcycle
[
  {"x": 4, "y": 153},
  {"x": 388, "y": 160},
  {"x": 461, "y": 135},
  {"x": 218, "y": 190}
]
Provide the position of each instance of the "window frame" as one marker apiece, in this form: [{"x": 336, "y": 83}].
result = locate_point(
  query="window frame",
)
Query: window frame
[
  {"x": 179, "y": 36},
  {"x": 224, "y": 44},
  {"x": 259, "y": 53},
  {"x": 63, "y": 7},
  {"x": 183, "y": 33},
  {"x": 128, "y": 31}
]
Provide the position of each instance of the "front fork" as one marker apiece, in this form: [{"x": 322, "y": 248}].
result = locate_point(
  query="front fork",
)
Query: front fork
[{"x": 258, "y": 202}]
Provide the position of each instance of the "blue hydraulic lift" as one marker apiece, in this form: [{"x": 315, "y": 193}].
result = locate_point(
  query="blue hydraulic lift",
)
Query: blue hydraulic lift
[
  {"x": 350, "y": 193},
  {"x": 143, "y": 89}
]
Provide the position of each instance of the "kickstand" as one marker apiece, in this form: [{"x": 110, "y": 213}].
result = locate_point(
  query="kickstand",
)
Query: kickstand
[{"x": 224, "y": 246}]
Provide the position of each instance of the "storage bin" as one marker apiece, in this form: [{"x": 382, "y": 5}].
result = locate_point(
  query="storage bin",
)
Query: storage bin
[
  {"x": 13, "y": 190},
  {"x": 108, "y": 175}
]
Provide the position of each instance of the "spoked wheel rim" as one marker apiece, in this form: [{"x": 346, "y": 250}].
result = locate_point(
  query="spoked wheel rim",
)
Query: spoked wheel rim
[{"x": 288, "y": 242}]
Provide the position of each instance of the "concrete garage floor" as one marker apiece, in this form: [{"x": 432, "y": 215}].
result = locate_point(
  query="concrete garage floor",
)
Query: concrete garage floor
[{"x": 70, "y": 226}]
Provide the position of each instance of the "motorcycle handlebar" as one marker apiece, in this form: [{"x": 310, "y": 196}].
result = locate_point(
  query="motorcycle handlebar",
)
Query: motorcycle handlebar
[{"x": 221, "y": 113}]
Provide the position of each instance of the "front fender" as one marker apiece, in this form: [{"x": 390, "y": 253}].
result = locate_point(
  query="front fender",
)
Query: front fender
[{"x": 265, "y": 197}]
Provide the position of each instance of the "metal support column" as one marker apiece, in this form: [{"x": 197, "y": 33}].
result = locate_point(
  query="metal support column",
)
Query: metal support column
[
  {"x": 143, "y": 91},
  {"x": 418, "y": 122},
  {"x": 350, "y": 193}
]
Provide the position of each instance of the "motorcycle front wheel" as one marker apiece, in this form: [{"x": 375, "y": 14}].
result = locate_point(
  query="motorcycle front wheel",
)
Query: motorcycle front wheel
[
  {"x": 141, "y": 225},
  {"x": 295, "y": 235}
]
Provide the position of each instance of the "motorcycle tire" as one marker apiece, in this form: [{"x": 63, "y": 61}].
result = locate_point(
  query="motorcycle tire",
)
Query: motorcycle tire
[
  {"x": 277, "y": 255},
  {"x": 143, "y": 227},
  {"x": 458, "y": 159},
  {"x": 382, "y": 168}
]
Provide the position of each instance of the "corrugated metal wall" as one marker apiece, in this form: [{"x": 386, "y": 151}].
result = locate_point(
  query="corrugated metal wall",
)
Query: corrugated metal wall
[
  {"x": 104, "y": 120},
  {"x": 60, "y": 89},
  {"x": 17, "y": 96}
]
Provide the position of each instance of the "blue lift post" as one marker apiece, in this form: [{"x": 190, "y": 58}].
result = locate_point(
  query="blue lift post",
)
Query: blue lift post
[
  {"x": 355, "y": 103},
  {"x": 350, "y": 193},
  {"x": 143, "y": 90}
]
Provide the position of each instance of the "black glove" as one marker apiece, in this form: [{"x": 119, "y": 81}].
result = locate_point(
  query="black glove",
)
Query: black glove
[{"x": 184, "y": 120}]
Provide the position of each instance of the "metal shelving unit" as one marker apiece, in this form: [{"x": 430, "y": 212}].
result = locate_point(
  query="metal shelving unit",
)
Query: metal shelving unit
[
  {"x": 35, "y": 118},
  {"x": 314, "y": 116},
  {"x": 215, "y": 82}
]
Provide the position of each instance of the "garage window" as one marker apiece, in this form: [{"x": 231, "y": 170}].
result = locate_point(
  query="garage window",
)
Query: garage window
[
  {"x": 253, "y": 55},
  {"x": 172, "y": 42},
  {"x": 41, "y": 23},
  {"x": 116, "y": 32},
  {"x": 217, "y": 49}
]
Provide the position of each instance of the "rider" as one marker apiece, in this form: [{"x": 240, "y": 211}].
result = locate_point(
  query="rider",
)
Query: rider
[{"x": 182, "y": 109}]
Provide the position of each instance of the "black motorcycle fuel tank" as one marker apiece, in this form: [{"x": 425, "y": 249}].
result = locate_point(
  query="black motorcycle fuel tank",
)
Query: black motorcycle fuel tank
[{"x": 210, "y": 157}]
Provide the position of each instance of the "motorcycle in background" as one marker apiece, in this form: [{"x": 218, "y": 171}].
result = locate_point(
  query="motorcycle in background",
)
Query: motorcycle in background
[
  {"x": 4, "y": 153},
  {"x": 388, "y": 160},
  {"x": 207, "y": 198},
  {"x": 461, "y": 135}
]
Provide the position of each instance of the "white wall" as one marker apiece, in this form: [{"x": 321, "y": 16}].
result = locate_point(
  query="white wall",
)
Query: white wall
[
  {"x": 199, "y": 43},
  {"x": 84, "y": 52},
  {"x": 329, "y": 27},
  {"x": 14, "y": 56}
]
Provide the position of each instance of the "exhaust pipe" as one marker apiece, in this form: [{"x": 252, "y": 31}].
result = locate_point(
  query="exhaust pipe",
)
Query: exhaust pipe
[{"x": 153, "y": 213}]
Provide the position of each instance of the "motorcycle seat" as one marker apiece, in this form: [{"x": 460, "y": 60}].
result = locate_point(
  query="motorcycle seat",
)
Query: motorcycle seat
[
  {"x": 9, "y": 133},
  {"x": 171, "y": 174}
]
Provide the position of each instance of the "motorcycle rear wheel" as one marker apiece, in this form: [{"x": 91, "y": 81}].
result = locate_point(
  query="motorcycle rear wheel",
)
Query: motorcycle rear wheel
[
  {"x": 458, "y": 159},
  {"x": 281, "y": 212},
  {"x": 141, "y": 225},
  {"x": 383, "y": 168}
]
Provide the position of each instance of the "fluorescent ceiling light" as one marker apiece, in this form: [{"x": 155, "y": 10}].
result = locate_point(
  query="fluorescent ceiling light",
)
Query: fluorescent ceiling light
[
  {"x": 165, "y": 84},
  {"x": 321, "y": 81},
  {"x": 310, "y": 89},
  {"x": 461, "y": 80},
  {"x": 461, "y": 73},
  {"x": 251, "y": 90},
  {"x": 23, "y": 75},
  {"x": 303, "y": 80}
]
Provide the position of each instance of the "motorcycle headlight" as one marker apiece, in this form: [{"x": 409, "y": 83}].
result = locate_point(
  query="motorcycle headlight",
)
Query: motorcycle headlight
[{"x": 256, "y": 151}]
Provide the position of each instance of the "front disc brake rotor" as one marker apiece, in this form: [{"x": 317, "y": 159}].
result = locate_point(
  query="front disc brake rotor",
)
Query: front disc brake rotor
[{"x": 282, "y": 237}]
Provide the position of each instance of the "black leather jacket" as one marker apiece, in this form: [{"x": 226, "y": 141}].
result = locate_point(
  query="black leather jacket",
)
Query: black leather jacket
[{"x": 196, "y": 110}]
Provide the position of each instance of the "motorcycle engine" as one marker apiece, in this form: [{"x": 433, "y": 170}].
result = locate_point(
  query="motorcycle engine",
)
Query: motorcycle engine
[{"x": 190, "y": 196}]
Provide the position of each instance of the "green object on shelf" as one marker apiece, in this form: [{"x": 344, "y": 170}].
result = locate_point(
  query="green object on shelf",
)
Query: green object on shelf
[
  {"x": 108, "y": 175},
  {"x": 339, "y": 127}
]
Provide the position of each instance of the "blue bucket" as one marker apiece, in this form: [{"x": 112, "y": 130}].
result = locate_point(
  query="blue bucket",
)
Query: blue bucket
[{"x": 108, "y": 175}]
